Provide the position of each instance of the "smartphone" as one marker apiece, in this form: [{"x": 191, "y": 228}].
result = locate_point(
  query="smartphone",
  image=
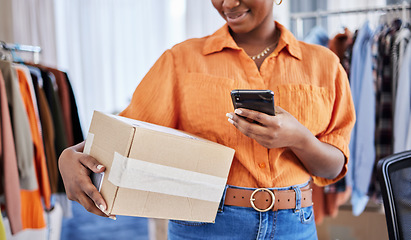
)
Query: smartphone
[
  {"x": 97, "y": 179},
  {"x": 257, "y": 100}
]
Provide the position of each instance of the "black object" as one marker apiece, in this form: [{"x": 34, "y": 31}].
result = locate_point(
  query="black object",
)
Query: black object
[
  {"x": 257, "y": 100},
  {"x": 394, "y": 176}
]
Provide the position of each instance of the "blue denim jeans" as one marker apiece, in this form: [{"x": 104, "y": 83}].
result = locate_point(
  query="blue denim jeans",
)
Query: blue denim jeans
[{"x": 234, "y": 222}]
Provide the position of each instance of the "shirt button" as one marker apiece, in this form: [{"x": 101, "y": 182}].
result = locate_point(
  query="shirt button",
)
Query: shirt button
[{"x": 261, "y": 165}]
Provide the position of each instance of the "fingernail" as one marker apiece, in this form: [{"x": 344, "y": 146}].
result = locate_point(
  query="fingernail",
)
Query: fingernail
[
  {"x": 112, "y": 217},
  {"x": 102, "y": 208},
  {"x": 238, "y": 111},
  {"x": 231, "y": 121},
  {"x": 229, "y": 115},
  {"x": 99, "y": 167}
]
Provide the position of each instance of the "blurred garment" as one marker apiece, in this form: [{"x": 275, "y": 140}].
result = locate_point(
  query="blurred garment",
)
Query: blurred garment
[
  {"x": 318, "y": 36},
  {"x": 9, "y": 183},
  {"x": 402, "y": 117},
  {"x": 362, "y": 145}
]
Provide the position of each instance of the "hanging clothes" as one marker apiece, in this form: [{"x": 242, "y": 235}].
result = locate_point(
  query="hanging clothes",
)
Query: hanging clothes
[
  {"x": 10, "y": 184},
  {"x": 61, "y": 88},
  {"x": 60, "y": 142},
  {"x": 48, "y": 128},
  {"x": 362, "y": 148},
  {"x": 50, "y": 88},
  {"x": 400, "y": 42},
  {"x": 340, "y": 44},
  {"x": 385, "y": 93},
  {"x": 318, "y": 36},
  {"x": 32, "y": 213},
  {"x": 78, "y": 136},
  {"x": 21, "y": 128},
  {"x": 63, "y": 109},
  {"x": 402, "y": 117},
  {"x": 39, "y": 155},
  {"x": 45, "y": 121},
  {"x": 63, "y": 94},
  {"x": 31, "y": 205}
]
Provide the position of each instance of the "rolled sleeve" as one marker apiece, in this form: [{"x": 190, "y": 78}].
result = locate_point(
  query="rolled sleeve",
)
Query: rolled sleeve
[{"x": 342, "y": 121}]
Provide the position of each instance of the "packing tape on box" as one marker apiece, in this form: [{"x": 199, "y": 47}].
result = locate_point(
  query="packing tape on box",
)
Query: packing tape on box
[
  {"x": 89, "y": 143},
  {"x": 141, "y": 175}
]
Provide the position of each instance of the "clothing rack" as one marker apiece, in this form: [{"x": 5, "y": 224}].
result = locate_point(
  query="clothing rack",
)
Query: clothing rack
[
  {"x": 394, "y": 7},
  {"x": 298, "y": 17},
  {"x": 36, "y": 50}
]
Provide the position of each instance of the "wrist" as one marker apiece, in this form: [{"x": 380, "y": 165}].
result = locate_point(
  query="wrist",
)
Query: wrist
[{"x": 303, "y": 141}]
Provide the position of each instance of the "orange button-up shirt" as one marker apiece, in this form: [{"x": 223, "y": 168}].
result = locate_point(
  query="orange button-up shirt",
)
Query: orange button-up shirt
[{"x": 188, "y": 88}]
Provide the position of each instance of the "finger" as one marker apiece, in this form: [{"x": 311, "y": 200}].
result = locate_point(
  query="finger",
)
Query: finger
[
  {"x": 89, "y": 205},
  {"x": 250, "y": 129},
  {"x": 239, "y": 121},
  {"x": 91, "y": 163},
  {"x": 254, "y": 115},
  {"x": 94, "y": 195}
]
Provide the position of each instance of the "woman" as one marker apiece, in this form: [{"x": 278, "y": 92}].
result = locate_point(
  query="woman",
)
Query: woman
[{"x": 189, "y": 88}]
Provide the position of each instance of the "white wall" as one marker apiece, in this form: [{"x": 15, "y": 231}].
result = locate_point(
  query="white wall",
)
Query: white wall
[{"x": 6, "y": 23}]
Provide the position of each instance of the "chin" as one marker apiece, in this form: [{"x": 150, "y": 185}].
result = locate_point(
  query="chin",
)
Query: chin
[{"x": 239, "y": 29}]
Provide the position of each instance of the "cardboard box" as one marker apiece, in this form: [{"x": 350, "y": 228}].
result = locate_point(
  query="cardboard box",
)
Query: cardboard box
[{"x": 157, "y": 172}]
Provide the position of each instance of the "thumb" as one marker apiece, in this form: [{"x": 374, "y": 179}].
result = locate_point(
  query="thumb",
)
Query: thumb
[
  {"x": 279, "y": 110},
  {"x": 91, "y": 163}
]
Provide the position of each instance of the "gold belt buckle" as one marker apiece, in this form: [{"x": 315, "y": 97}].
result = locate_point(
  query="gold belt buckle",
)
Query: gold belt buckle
[{"x": 252, "y": 199}]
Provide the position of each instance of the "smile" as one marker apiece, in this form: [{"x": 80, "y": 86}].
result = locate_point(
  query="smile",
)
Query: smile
[{"x": 234, "y": 17}]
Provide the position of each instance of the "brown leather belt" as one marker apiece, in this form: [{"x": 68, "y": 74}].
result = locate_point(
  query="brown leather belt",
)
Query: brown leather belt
[{"x": 263, "y": 199}]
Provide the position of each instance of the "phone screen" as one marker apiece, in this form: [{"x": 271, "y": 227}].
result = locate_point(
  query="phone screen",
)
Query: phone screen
[{"x": 257, "y": 100}]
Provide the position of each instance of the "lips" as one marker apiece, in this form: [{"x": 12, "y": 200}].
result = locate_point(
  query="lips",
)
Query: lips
[{"x": 235, "y": 16}]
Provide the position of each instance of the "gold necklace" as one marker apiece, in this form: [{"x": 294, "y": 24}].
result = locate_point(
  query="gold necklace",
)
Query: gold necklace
[{"x": 263, "y": 53}]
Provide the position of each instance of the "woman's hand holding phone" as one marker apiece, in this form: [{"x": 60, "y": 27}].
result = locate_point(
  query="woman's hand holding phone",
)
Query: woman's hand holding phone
[
  {"x": 281, "y": 130},
  {"x": 276, "y": 130}
]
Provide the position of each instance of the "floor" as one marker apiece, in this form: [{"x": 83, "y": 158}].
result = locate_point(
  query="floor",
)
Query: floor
[
  {"x": 369, "y": 225},
  {"x": 87, "y": 226}
]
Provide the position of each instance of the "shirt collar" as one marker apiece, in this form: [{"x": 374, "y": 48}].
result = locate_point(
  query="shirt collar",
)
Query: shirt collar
[{"x": 222, "y": 39}]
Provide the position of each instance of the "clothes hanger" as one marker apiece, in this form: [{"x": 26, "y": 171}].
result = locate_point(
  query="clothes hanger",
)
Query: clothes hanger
[
  {"x": 12, "y": 49},
  {"x": 5, "y": 53}
]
